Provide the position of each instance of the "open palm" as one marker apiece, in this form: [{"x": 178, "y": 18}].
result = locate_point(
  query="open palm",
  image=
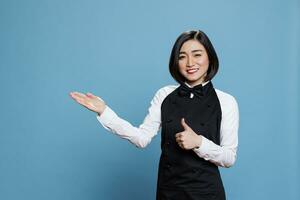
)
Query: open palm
[{"x": 90, "y": 101}]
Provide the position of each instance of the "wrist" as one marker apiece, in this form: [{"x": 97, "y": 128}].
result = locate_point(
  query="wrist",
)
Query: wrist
[
  {"x": 198, "y": 141},
  {"x": 99, "y": 112}
]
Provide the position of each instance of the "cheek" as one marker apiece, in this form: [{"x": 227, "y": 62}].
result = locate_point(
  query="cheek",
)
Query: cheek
[
  {"x": 204, "y": 62},
  {"x": 181, "y": 66}
]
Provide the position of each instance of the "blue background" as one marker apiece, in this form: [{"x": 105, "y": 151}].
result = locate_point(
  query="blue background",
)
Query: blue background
[{"x": 52, "y": 148}]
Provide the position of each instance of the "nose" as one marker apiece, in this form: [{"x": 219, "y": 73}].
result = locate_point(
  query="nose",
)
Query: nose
[{"x": 190, "y": 61}]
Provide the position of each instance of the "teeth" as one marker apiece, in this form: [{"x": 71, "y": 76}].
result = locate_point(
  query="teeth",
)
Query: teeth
[{"x": 192, "y": 70}]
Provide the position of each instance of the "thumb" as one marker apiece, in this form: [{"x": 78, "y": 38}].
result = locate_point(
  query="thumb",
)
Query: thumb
[{"x": 184, "y": 125}]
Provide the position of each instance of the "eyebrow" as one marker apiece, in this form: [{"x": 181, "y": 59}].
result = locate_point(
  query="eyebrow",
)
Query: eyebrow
[{"x": 192, "y": 51}]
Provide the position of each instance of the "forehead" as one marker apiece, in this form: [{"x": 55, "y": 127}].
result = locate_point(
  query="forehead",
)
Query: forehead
[{"x": 191, "y": 45}]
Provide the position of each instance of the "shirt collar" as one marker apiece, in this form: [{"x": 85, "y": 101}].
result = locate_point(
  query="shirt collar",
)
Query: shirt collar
[{"x": 196, "y": 85}]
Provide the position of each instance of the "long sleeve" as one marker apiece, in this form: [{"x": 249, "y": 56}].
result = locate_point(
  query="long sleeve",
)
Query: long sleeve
[
  {"x": 225, "y": 154},
  {"x": 140, "y": 136}
]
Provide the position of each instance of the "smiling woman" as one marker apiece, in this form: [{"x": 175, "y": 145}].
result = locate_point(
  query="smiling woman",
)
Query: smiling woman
[
  {"x": 193, "y": 62},
  {"x": 196, "y": 53},
  {"x": 199, "y": 124}
]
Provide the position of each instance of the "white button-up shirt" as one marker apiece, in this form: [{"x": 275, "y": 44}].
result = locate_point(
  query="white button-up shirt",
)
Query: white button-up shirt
[{"x": 223, "y": 155}]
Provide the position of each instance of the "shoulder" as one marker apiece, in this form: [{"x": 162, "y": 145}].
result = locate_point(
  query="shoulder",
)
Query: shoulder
[
  {"x": 225, "y": 96},
  {"x": 164, "y": 91},
  {"x": 167, "y": 89},
  {"x": 227, "y": 101}
]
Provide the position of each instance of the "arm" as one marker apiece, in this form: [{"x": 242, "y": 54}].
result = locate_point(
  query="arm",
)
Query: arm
[
  {"x": 140, "y": 136},
  {"x": 223, "y": 155}
]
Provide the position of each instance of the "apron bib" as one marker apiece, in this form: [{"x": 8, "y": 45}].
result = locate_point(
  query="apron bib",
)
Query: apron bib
[{"x": 182, "y": 174}]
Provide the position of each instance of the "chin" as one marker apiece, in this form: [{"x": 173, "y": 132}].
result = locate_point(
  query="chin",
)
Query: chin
[{"x": 193, "y": 79}]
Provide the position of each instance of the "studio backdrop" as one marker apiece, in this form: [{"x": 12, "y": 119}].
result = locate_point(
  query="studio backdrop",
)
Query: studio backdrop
[{"x": 52, "y": 148}]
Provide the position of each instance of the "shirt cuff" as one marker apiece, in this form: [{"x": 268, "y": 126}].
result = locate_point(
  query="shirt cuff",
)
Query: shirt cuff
[
  {"x": 204, "y": 147},
  {"x": 106, "y": 116}
]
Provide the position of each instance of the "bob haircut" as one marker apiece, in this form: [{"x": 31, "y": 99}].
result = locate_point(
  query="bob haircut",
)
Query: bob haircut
[{"x": 204, "y": 40}]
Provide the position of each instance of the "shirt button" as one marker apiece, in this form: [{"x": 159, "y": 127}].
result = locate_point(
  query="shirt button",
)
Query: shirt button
[
  {"x": 202, "y": 124},
  {"x": 168, "y": 143}
]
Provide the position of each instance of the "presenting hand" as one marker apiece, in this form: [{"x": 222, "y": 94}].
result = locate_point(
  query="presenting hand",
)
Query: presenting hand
[
  {"x": 188, "y": 139},
  {"x": 90, "y": 101}
]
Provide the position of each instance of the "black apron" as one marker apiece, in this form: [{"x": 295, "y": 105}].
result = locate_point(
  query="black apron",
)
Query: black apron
[{"x": 182, "y": 174}]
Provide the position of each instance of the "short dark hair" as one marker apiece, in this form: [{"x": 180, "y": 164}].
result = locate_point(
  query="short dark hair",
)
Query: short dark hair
[{"x": 201, "y": 37}]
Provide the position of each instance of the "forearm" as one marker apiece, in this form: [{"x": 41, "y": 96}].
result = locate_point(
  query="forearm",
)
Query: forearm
[
  {"x": 140, "y": 136},
  {"x": 223, "y": 156}
]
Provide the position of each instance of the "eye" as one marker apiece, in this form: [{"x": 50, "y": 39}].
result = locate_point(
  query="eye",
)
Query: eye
[
  {"x": 181, "y": 57},
  {"x": 197, "y": 55}
]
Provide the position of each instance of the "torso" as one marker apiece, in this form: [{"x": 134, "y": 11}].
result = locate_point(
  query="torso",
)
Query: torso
[{"x": 183, "y": 174}]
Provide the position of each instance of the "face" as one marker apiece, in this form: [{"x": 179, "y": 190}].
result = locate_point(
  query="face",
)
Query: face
[{"x": 193, "y": 62}]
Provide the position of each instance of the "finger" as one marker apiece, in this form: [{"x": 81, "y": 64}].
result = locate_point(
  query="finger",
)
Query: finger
[
  {"x": 100, "y": 99},
  {"x": 90, "y": 95},
  {"x": 181, "y": 145},
  {"x": 178, "y": 135},
  {"x": 184, "y": 125},
  {"x": 86, "y": 104},
  {"x": 81, "y": 101},
  {"x": 93, "y": 96},
  {"x": 72, "y": 94},
  {"x": 78, "y": 95},
  {"x": 179, "y": 139}
]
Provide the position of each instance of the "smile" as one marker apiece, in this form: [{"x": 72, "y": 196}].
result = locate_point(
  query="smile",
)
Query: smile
[{"x": 191, "y": 71}]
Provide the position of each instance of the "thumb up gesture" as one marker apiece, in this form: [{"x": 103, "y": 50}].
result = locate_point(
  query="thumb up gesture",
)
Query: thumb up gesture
[{"x": 188, "y": 139}]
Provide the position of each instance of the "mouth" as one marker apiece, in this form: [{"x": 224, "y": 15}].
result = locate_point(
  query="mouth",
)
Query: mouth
[{"x": 192, "y": 71}]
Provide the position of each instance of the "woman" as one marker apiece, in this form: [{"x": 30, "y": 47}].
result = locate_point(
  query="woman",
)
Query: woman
[{"x": 199, "y": 124}]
